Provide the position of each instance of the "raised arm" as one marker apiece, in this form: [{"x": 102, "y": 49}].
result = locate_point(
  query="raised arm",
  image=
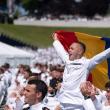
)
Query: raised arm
[
  {"x": 60, "y": 49},
  {"x": 99, "y": 58}
]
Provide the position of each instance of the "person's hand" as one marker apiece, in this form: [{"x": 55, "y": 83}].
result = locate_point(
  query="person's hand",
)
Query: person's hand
[
  {"x": 58, "y": 107},
  {"x": 94, "y": 92},
  {"x": 58, "y": 86},
  {"x": 17, "y": 82},
  {"x": 21, "y": 91},
  {"x": 54, "y": 35},
  {"x": 86, "y": 88},
  {"x": 6, "y": 107}
]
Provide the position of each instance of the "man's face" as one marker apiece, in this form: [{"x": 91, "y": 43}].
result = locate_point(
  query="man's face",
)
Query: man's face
[
  {"x": 30, "y": 94},
  {"x": 56, "y": 74},
  {"x": 108, "y": 93},
  {"x": 74, "y": 51},
  {"x": 26, "y": 74}
]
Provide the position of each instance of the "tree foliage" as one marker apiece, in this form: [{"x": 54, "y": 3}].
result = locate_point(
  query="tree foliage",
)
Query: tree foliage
[{"x": 57, "y": 7}]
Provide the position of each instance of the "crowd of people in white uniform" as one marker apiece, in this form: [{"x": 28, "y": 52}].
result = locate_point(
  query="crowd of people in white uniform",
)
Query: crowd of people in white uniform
[
  {"x": 14, "y": 81},
  {"x": 53, "y": 86}
]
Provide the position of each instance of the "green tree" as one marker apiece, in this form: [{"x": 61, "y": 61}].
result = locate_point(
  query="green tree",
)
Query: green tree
[{"x": 57, "y": 7}]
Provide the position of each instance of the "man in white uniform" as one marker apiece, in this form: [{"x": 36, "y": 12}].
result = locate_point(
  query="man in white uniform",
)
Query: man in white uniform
[
  {"x": 76, "y": 71},
  {"x": 34, "y": 93}
]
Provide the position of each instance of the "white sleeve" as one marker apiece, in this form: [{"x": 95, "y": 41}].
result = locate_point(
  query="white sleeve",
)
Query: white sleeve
[
  {"x": 99, "y": 58},
  {"x": 99, "y": 100},
  {"x": 97, "y": 103},
  {"x": 19, "y": 105},
  {"x": 60, "y": 50},
  {"x": 88, "y": 104}
]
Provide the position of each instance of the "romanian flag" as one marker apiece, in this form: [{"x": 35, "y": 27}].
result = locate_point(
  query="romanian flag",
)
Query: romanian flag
[{"x": 94, "y": 45}]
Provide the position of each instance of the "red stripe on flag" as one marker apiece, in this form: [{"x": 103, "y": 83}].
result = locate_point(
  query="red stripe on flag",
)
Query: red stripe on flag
[
  {"x": 66, "y": 38},
  {"x": 90, "y": 78}
]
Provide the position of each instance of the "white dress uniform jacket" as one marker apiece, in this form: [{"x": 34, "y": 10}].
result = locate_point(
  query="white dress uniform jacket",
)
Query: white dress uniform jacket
[{"x": 38, "y": 106}]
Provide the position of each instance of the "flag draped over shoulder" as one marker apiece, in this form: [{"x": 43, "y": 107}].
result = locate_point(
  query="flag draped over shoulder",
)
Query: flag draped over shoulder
[{"x": 94, "y": 45}]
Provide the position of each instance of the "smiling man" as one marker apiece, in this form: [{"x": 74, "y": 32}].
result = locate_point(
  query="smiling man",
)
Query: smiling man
[{"x": 34, "y": 93}]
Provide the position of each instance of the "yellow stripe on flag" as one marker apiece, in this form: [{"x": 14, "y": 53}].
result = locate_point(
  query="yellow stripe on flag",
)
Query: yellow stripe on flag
[{"x": 95, "y": 45}]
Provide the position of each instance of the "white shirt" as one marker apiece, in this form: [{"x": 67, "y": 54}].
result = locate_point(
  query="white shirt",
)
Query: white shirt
[
  {"x": 38, "y": 106},
  {"x": 51, "y": 102},
  {"x": 105, "y": 107},
  {"x": 100, "y": 101},
  {"x": 46, "y": 78},
  {"x": 7, "y": 77},
  {"x": 88, "y": 104},
  {"x": 75, "y": 73}
]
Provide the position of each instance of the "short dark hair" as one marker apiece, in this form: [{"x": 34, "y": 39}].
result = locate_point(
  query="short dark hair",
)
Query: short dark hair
[
  {"x": 83, "y": 46},
  {"x": 6, "y": 65},
  {"x": 40, "y": 86},
  {"x": 107, "y": 85},
  {"x": 27, "y": 69}
]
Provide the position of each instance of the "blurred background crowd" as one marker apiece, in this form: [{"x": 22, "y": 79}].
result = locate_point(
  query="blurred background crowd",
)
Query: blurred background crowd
[{"x": 53, "y": 9}]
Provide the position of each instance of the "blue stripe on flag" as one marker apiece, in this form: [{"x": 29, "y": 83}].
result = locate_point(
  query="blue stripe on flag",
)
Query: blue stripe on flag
[{"x": 107, "y": 40}]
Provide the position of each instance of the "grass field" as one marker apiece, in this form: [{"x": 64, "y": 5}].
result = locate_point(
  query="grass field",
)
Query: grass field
[{"x": 41, "y": 36}]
